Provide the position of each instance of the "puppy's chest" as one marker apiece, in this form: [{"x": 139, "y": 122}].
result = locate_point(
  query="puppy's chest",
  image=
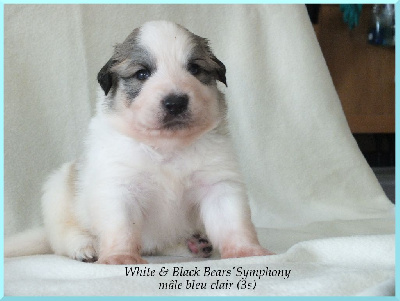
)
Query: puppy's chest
[
  {"x": 174, "y": 180},
  {"x": 167, "y": 182}
]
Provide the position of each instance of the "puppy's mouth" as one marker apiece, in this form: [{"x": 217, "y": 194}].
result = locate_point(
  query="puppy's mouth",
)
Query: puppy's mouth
[{"x": 179, "y": 122}]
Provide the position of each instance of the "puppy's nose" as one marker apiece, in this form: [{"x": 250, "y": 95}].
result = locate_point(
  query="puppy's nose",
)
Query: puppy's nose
[{"x": 176, "y": 104}]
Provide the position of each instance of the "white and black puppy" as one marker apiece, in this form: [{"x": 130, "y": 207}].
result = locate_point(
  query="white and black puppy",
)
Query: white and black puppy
[{"x": 158, "y": 165}]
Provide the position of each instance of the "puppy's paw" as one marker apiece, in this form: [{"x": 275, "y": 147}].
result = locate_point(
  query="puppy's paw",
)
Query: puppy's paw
[
  {"x": 199, "y": 246},
  {"x": 244, "y": 251},
  {"x": 85, "y": 254},
  {"x": 81, "y": 247},
  {"x": 122, "y": 259}
]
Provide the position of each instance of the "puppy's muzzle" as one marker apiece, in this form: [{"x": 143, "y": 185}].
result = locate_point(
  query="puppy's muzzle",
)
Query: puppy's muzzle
[
  {"x": 175, "y": 104},
  {"x": 176, "y": 112}
]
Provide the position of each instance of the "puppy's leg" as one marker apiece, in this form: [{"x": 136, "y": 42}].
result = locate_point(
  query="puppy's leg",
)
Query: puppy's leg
[
  {"x": 65, "y": 235},
  {"x": 119, "y": 244},
  {"x": 117, "y": 221},
  {"x": 226, "y": 216}
]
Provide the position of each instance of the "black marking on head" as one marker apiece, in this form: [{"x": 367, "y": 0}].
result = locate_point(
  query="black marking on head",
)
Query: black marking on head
[
  {"x": 131, "y": 87},
  {"x": 221, "y": 70},
  {"x": 210, "y": 68},
  {"x": 132, "y": 70},
  {"x": 129, "y": 57},
  {"x": 105, "y": 77}
]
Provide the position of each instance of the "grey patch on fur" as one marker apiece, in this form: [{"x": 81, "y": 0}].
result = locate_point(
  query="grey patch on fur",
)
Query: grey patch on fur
[
  {"x": 211, "y": 68},
  {"x": 132, "y": 88},
  {"x": 128, "y": 58}
]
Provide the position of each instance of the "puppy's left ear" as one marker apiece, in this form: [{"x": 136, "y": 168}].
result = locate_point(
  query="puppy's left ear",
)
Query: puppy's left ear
[
  {"x": 221, "y": 70},
  {"x": 105, "y": 78}
]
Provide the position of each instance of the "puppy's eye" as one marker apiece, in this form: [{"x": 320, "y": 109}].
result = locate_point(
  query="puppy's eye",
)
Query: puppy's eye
[
  {"x": 142, "y": 74},
  {"x": 194, "y": 69}
]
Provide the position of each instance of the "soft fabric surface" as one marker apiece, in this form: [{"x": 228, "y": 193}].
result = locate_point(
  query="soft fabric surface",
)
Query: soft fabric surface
[
  {"x": 314, "y": 199},
  {"x": 313, "y": 268}
]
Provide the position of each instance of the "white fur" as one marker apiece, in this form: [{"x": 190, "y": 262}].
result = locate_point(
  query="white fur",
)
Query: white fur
[{"x": 139, "y": 189}]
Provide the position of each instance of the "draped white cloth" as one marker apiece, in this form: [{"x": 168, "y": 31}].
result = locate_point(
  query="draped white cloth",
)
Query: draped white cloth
[{"x": 314, "y": 199}]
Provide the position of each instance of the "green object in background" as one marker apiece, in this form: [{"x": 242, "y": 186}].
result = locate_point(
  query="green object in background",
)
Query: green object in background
[{"x": 351, "y": 14}]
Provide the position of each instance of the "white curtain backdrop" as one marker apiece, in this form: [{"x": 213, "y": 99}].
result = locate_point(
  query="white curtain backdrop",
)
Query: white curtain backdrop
[{"x": 305, "y": 175}]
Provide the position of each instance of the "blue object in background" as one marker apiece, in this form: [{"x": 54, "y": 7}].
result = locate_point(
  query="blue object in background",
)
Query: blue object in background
[
  {"x": 383, "y": 25},
  {"x": 351, "y": 14}
]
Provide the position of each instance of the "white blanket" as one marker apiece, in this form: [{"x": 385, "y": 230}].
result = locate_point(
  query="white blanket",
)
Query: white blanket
[{"x": 314, "y": 200}]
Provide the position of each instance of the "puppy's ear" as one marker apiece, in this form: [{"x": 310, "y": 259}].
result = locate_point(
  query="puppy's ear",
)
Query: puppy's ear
[
  {"x": 105, "y": 78},
  {"x": 221, "y": 70}
]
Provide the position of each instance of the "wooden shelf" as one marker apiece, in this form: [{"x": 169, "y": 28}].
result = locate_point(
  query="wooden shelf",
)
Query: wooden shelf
[{"x": 363, "y": 74}]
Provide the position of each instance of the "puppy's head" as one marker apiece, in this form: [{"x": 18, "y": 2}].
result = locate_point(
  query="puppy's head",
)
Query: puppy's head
[{"x": 159, "y": 87}]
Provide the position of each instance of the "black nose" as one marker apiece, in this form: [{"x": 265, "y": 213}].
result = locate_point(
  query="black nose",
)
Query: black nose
[{"x": 176, "y": 104}]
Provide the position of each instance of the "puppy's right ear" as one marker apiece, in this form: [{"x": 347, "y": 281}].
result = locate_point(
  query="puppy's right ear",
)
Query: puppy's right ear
[{"x": 105, "y": 77}]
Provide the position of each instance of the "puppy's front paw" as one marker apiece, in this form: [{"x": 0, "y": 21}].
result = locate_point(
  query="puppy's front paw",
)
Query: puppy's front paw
[
  {"x": 244, "y": 251},
  {"x": 81, "y": 248},
  {"x": 122, "y": 259},
  {"x": 86, "y": 254},
  {"x": 199, "y": 246}
]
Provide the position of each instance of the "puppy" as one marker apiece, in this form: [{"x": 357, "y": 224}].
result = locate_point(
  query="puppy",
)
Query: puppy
[{"x": 158, "y": 164}]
